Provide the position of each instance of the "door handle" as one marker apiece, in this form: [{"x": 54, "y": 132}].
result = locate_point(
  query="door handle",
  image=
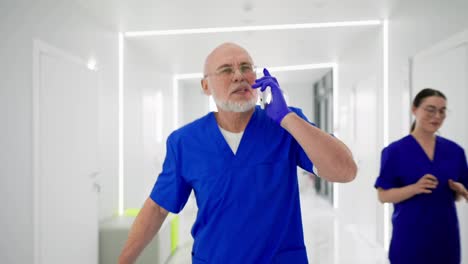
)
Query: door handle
[
  {"x": 97, "y": 187},
  {"x": 94, "y": 174}
]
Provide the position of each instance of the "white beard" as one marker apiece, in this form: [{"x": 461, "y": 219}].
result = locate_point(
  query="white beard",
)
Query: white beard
[{"x": 237, "y": 107}]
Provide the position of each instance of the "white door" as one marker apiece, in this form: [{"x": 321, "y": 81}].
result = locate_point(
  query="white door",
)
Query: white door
[
  {"x": 66, "y": 141},
  {"x": 445, "y": 67}
]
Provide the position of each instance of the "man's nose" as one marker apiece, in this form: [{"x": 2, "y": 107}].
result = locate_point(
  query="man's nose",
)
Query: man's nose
[{"x": 237, "y": 75}]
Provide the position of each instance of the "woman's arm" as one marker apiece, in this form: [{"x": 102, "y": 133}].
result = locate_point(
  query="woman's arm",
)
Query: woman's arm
[
  {"x": 395, "y": 195},
  {"x": 425, "y": 185}
]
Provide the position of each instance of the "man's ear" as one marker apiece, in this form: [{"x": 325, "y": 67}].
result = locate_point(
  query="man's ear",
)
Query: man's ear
[
  {"x": 413, "y": 110},
  {"x": 204, "y": 85}
]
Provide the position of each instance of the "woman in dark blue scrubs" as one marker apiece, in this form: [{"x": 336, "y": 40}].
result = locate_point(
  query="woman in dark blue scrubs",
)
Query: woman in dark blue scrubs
[{"x": 423, "y": 174}]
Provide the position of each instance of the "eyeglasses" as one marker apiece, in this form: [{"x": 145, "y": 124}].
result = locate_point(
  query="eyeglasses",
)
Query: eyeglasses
[
  {"x": 432, "y": 111},
  {"x": 246, "y": 69}
]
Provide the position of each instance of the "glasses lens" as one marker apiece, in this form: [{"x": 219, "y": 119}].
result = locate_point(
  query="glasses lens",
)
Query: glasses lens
[
  {"x": 431, "y": 111},
  {"x": 246, "y": 69},
  {"x": 225, "y": 71}
]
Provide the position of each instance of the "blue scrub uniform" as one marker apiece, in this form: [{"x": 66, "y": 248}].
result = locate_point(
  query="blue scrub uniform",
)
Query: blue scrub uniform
[
  {"x": 425, "y": 227},
  {"x": 248, "y": 203}
]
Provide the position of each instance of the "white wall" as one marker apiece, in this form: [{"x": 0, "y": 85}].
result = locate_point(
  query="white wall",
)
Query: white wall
[
  {"x": 193, "y": 103},
  {"x": 414, "y": 26},
  {"x": 64, "y": 26},
  {"x": 300, "y": 95},
  {"x": 360, "y": 77},
  {"x": 143, "y": 153}
]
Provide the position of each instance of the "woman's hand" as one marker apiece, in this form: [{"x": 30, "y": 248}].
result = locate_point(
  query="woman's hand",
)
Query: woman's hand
[
  {"x": 426, "y": 184},
  {"x": 459, "y": 189}
]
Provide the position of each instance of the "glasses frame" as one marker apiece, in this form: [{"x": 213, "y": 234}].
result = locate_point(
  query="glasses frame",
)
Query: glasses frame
[
  {"x": 228, "y": 71},
  {"x": 432, "y": 111}
]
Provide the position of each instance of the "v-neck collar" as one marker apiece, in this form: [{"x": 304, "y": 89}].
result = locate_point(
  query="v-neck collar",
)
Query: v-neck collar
[
  {"x": 424, "y": 152},
  {"x": 221, "y": 142}
]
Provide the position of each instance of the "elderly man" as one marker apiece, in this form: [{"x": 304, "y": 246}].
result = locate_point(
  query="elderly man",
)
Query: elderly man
[{"x": 241, "y": 163}]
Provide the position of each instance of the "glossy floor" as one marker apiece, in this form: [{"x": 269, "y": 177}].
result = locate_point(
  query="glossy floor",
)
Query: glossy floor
[{"x": 327, "y": 240}]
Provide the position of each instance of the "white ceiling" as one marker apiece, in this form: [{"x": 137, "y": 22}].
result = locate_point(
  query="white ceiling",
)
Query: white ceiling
[
  {"x": 138, "y": 15},
  {"x": 186, "y": 53}
]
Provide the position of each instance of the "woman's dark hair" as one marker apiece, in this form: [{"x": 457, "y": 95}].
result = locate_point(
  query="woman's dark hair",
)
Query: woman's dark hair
[{"x": 423, "y": 94}]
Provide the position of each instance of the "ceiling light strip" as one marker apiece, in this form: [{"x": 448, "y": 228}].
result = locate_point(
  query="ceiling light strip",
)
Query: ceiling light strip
[
  {"x": 301, "y": 67},
  {"x": 250, "y": 28}
]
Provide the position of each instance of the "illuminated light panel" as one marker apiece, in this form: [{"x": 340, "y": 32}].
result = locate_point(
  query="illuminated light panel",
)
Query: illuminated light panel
[{"x": 250, "y": 28}]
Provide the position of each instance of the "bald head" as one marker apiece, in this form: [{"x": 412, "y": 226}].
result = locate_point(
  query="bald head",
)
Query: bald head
[{"x": 222, "y": 53}]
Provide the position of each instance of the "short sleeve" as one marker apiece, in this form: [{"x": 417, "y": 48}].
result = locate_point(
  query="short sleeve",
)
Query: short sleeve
[
  {"x": 387, "y": 178},
  {"x": 171, "y": 191},
  {"x": 303, "y": 160},
  {"x": 464, "y": 170}
]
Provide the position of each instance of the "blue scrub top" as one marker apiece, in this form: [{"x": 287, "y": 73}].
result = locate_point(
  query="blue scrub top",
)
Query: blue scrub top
[
  {"x": 425, "y": 227},
  {"x": 248, "y": 203}
]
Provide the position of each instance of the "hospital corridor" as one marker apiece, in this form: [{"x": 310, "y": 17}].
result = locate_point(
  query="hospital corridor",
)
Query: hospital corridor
[{"x": 251, "y": 131}]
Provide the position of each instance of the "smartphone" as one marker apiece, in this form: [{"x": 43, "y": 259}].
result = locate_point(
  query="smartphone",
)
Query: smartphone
[{"x": 265, "y": 98}]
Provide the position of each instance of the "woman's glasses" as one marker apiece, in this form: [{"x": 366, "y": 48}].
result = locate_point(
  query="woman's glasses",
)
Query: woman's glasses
[{"x": 432, "y": 111}]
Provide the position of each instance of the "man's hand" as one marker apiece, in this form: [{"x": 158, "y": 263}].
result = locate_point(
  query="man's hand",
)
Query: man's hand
[
  {"x": 459, "y": 189},
  {"x": 426, "y": 184},
  {"x": 277, "y": 109}
]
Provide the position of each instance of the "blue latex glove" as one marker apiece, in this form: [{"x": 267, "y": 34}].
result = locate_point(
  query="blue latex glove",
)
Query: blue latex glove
[{"x": 277, "y": 109}]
